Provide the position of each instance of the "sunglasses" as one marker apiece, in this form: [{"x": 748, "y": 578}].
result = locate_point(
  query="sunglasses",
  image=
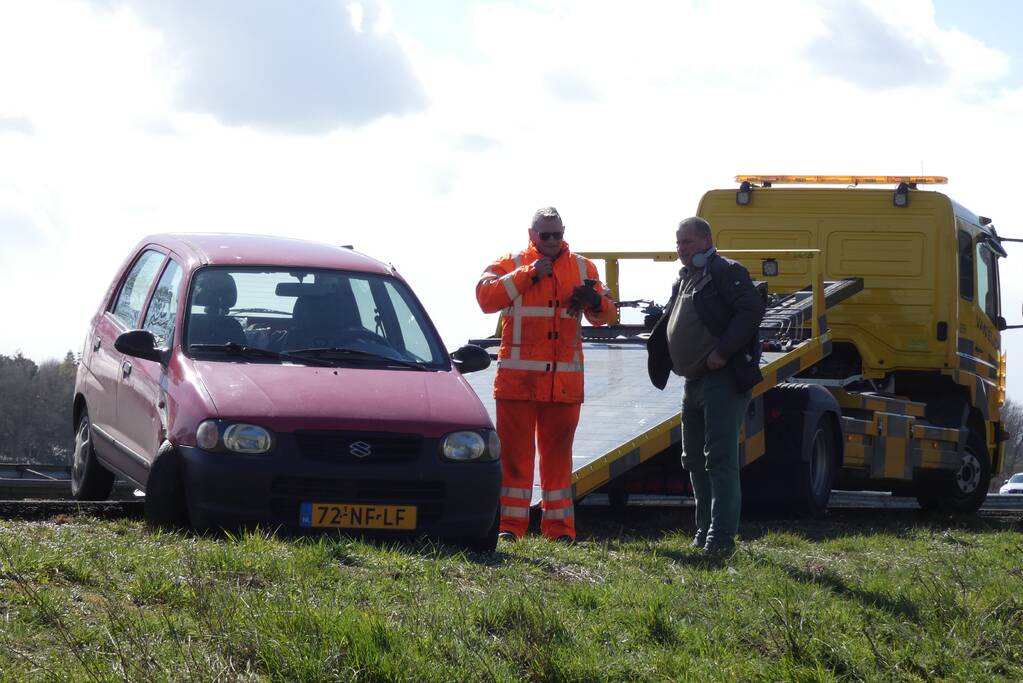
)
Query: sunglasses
[{"x": 550, "y": 235}]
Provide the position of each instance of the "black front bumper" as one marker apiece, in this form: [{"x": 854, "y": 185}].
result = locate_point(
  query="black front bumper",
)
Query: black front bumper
[{"x": 230, "y": 490}]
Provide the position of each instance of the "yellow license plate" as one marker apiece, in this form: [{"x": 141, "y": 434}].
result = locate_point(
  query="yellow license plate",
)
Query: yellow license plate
[{"x": 351, "y": 516}]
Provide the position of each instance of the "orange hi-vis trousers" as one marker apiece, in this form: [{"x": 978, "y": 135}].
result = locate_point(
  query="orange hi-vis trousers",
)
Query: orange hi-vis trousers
[{"x": 525, "y": 427}]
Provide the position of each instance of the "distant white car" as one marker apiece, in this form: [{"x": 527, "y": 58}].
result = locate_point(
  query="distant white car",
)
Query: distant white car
[{"x": 1013, "y": 484}]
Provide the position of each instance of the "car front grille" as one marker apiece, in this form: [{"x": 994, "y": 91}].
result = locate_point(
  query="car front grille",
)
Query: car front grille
[{"x": 368, "y": 447}]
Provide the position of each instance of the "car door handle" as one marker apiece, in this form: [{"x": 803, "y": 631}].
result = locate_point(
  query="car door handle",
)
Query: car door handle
[
  {"x": 96, "y": 343},
  {"x": 126, "y": 368}
]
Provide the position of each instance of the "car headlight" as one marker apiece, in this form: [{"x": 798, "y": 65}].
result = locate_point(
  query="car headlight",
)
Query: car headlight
[
  {"x": 238, "y": 437},
  {"x": 471, "y": 446}
]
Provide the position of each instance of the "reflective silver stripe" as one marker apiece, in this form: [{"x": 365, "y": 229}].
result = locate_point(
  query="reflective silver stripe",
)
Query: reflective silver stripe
[
  {"x": 535, "y": 311},
  {"x": 537, "y": 365},
  {"x": 517, "y": 260},
  {"x": 513, "y": 492},
  {"x": 490, "y": 275},
  {"x": 516, "y": 364},
  {"x": 558, "y": 494},
  {"x": 513, "y": 511},
  {"x": 581, "y": 262},
  {"x": 509, "y": 286},
  {"x": 558, "y": 513},
  {"x": 516, "y": 332}
]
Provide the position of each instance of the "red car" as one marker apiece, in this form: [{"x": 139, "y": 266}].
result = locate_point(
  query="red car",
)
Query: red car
[{"x": 245, "y": 380}]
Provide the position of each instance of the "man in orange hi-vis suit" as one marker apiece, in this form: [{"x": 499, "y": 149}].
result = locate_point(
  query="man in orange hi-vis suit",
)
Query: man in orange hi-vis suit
[{"x": 542, "y": 293}]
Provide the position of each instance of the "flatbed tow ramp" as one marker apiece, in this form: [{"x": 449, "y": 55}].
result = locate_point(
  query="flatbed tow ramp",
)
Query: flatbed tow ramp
[{"x": 626, "y": 421}]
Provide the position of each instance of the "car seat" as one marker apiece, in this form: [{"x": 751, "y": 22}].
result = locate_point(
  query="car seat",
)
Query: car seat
[
  {"x": 322, "y": 320},
  {"x": 216, "y": 292}
]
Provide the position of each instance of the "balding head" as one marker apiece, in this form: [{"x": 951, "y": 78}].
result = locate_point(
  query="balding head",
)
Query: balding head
[{"x": 692, "y": 237}]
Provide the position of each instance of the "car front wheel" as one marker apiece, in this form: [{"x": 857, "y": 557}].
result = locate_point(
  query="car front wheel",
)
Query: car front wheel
[{"x": 89, "y": 479}]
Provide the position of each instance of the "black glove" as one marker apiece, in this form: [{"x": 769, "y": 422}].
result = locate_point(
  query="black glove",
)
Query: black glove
[{"x": 584, "y": 297}]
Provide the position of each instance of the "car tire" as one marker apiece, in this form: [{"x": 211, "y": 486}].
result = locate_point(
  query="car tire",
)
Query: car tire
[
  {"x": 488, "y": 542},
  {"x": 89, "y": 479},
  {"x": 962, "y": 491},
  {"x": 165, "y": 505}
]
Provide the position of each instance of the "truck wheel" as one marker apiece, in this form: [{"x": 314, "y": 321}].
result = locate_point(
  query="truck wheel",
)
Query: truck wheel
[
  {"x": 816, "y": 476},
  {"x": 89, "y": 479},
  {"x": 963, "y": 490},
  {"x": 165, "y": 491}
]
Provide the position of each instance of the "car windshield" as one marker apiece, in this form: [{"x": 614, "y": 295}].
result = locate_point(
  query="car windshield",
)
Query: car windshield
[
  {"x": 344, "y": 317},
  {"x": 1016, "y": 478}
]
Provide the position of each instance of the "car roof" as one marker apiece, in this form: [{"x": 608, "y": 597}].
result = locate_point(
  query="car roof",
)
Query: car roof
[{"x": 235, "y": 249}]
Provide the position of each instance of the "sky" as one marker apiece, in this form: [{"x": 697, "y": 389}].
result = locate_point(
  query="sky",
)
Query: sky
[{"x": 427, "y": 133}]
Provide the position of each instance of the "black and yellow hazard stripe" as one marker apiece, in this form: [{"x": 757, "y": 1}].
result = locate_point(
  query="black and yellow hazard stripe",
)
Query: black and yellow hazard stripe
[
  {"x": 751, "y": 438},
  {"x": 892, "y": 446},
  {"x": 798, "y": 359},
  {"x": 622, "y": 459},
  {"x": 881, "y": 404}
]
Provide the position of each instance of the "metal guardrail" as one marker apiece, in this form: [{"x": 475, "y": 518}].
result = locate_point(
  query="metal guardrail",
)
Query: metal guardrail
[{"x": 20, "y": 481}]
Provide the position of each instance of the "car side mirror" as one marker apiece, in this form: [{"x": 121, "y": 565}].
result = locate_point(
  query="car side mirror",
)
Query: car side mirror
[
  {"x": 139, "y": 344},
  {"x": 471, "y": 358}
]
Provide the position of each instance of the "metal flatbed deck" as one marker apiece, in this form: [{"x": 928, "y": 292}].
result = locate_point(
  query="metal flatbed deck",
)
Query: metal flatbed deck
[{"x": 625, "y": 420}]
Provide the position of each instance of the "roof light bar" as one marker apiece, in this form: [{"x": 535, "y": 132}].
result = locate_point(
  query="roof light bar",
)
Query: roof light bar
[{"x": 842, "y": 179}]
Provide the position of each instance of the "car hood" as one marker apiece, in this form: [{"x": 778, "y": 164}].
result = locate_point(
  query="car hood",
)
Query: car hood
[
  {"x": 1006, "y": 488},
  {"x": 288, "y": 397}
]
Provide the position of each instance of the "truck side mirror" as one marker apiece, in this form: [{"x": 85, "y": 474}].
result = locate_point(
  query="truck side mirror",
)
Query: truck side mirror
[
  {"x": 1001, "y": 324},
  {"x": 470, "y": 358}
]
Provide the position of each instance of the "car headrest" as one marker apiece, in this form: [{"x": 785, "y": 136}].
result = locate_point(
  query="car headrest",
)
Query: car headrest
[{"x": 215, "y": 289}]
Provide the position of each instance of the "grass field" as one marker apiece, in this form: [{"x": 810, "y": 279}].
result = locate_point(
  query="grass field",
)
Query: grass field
[{"x": 883, "y": 596}]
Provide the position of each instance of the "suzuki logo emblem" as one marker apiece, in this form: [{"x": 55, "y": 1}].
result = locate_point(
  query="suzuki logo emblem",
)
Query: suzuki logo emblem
[{"x": 360, "y": 449}]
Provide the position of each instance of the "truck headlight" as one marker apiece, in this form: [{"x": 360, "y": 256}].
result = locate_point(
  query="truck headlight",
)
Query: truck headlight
[
  {"x": 213, "y": 435},
  {"x": 471, "y": 446}
]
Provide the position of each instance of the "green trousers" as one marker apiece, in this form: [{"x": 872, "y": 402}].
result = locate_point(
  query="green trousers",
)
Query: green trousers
[{"x": 712, "y": 415}]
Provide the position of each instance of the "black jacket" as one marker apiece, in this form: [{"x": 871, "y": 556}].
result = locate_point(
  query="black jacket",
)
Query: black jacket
[{"x": 731, "y": 308}]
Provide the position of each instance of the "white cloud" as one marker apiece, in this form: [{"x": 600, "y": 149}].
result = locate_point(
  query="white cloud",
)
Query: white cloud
[{"x": 676, "y": 98}]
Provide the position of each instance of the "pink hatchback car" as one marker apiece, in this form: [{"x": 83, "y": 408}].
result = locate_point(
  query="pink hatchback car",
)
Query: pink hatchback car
[{"x": 243, "y": 380}]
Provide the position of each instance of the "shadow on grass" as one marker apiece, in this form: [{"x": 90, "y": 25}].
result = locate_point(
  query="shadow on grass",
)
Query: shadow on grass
[{"x": 896, "y": 607}]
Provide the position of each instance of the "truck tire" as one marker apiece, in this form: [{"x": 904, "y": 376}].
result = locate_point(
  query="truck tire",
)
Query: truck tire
[
  {"x": 815, "y": 476},
  {"x": 89, "y": 479},
  {"x": 165, "y": 506},
  {"x": 963, "y": 490}
]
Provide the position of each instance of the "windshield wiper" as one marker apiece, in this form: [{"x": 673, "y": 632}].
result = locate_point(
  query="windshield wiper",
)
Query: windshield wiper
[
  {"x": 346, "y": 353},
  {"x": 236, "y": 349}
]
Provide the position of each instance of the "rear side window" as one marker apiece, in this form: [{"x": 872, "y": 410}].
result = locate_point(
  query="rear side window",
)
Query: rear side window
[
  {"x": 965, "y": 265},
  {"x": 132, "y": 296},
  {"x": 164, "y": 305}
]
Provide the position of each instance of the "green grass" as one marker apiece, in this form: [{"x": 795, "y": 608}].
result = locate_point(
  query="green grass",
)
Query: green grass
[{"x": 852, "y": 597}]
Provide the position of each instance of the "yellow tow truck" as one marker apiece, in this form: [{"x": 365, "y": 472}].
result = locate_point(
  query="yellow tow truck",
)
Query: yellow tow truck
[{"x": 882, "y": 359}]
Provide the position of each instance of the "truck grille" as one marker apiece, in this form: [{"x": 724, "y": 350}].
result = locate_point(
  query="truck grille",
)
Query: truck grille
[{"x": 368, "y": 447}]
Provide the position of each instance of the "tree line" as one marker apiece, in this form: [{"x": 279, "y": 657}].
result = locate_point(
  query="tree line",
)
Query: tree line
[
  {"x": 35, "y": 409},
  {"x": 35, "y": 415}
]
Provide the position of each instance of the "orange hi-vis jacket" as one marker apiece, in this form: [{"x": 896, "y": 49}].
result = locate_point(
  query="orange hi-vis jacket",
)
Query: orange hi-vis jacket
[{"x": 541, "y": 355}]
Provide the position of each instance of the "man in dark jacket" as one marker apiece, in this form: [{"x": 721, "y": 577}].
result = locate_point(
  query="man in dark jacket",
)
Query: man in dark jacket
[{"x": 709, "y": 335}]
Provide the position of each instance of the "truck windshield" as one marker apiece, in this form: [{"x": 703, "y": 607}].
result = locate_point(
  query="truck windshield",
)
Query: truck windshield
[{"x": 287, "y": 310}]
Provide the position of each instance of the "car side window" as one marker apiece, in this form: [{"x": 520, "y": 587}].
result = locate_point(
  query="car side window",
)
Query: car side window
[
  {"x": 164, "y": 305},
  {"x": 132, "y": 296}
]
